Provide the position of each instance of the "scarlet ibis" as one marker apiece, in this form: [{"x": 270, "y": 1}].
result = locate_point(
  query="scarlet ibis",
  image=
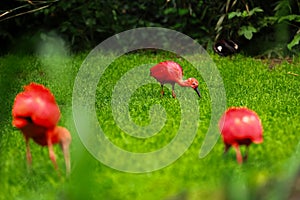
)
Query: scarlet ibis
[
  {"x": 225, "y": 47},
  {"x": 171, "y": 72},
  {"x": 240, "y": 126},
  {"x": 36, "y": 113}
]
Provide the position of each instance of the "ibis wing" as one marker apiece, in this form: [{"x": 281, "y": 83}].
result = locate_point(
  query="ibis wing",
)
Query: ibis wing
[
  {"x": 22, "y": 105},
  {"x": 46, "y": 114},
  {"x": 167, "y": 72},
  {"x": 40, "y": 107},
  {"x": 239, "y": 124},
  {"x": 41, "y": 91}
]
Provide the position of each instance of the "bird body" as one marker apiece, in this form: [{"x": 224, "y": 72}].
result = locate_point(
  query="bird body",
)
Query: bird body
[
  {"x": 36, "y": 113},
  {"x": 240, "y": 126},
  {"x": 171, "y": 72}
]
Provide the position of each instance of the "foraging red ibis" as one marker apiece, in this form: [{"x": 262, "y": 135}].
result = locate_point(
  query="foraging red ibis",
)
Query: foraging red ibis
[
  {"x": 171, "y": 72},
  {"x": 240, "y": 126},
  {"x": 36, "y": 113}
]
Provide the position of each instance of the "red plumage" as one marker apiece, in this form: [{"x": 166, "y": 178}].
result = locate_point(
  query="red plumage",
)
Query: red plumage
[
  {"x": 171, "y": 72},
  {"x": 38, "y": 103},
  {"x": 36, "y": 113},
  {"x": 167, "y": 72},
  {"x": 240, "y": 126}
]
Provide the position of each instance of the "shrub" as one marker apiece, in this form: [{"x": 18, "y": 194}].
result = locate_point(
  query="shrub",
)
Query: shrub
[{"x": 260, "y": 27}]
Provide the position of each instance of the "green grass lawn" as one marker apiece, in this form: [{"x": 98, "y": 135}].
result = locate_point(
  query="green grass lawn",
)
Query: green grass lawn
[{"x": 273, "y": 93}]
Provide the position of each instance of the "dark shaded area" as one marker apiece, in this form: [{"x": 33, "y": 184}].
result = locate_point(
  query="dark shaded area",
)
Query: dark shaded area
[
  {"x": 256, "y": 26},
  {"x": 295, "y": 191}
]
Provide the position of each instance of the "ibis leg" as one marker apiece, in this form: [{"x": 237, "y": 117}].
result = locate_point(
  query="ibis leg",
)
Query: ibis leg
[
  {"x": 28, "y": 154},
  {"x": 246, "y": 153},
  {"x": 238, "y": 154},
  {"x": 52, "y": 154},
  {"x": 173, "y": 92},
  {"x": 65, "y": 149},
  {"x": 162, "y": 90}
]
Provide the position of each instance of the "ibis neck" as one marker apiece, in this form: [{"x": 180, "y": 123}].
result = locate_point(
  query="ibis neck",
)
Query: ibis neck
[{"x": 183, "y": 83}]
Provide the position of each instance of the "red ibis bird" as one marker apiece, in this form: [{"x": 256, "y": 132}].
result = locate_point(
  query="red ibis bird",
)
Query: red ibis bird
[
  {"x": 240, "y": 126},
  {"x": 171, "y": 72},
  {"x": 36, "y": 113}
]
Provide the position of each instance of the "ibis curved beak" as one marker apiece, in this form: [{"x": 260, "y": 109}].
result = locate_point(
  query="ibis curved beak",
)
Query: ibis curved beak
[{"x": 198, "y": 92}]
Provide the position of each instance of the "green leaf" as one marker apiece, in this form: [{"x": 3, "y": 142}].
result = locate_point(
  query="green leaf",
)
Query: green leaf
[
  {"x": 248, "y": 35},
  {"x": 220, "y": 21},
  {"x": 294, "y": 42},
  {"x": 290, "y": 18},
  {"x": 245, "y": 14},
  {"x": 90, "y": 22},
  {"x": 247, "y": 31},
  {"x": 183, "y": 12},
  {"x": 252, "y": 12},
  {"x": 169, "y": 11},
  {"x": 234, "y": 14},
  {"x": 255, "y": 10}
]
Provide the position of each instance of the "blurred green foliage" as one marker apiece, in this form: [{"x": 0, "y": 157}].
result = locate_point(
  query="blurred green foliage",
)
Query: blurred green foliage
[{"x": 260, "y": 27}]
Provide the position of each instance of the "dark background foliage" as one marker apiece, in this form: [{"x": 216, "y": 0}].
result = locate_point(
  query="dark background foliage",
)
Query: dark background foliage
[{"x": 269, "y": 28}]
